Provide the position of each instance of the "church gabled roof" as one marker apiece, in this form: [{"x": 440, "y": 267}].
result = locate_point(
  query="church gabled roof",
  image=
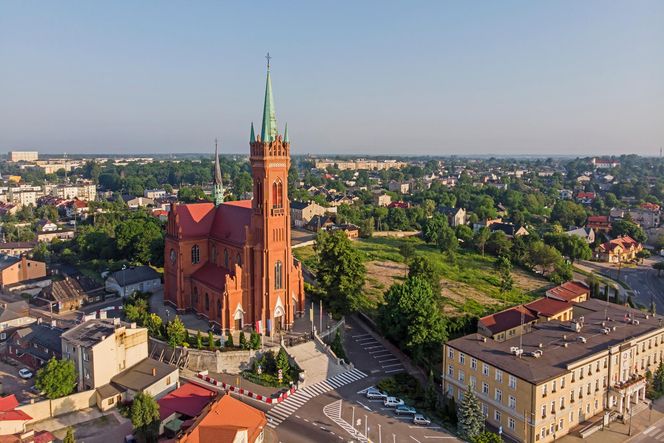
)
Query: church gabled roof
[
  {"x": 211, "y": 275},
  {"x": 230, "y": 220},
  {"x": 195, "y": 219}
]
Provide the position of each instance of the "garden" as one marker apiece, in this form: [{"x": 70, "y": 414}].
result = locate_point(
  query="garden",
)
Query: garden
[{"x": 272, "y": 370}]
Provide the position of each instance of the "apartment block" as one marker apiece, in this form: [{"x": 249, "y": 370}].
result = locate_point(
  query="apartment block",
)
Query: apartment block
[
  {"x": 23, "y": 156},
  {"x": 552, "y": 376}
]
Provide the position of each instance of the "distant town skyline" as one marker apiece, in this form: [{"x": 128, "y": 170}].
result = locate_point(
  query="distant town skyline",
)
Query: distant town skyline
[{"x": 372, "y": 78}]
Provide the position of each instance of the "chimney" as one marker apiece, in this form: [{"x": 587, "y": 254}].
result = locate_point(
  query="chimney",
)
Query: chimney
[
  {"x": 154, "y": 372},
  {"x": 116, "y": 321},
  {"x": 102, "y": 314}
]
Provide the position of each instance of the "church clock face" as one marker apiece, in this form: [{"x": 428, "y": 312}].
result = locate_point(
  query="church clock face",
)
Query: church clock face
[{"x": 172, "y": 255}]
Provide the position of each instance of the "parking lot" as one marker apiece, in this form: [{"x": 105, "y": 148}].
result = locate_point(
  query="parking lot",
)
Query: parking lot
[
  {"x": 380, "y": 360},
  {"x": 13, "y": 384}
]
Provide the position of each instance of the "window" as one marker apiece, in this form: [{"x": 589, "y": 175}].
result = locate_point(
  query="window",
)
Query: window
[
  {"x": 462, "y": 376},
  {"x": 543, "y": 433},
  {"x": 450, "y": 353},
  {"x": 485, "y": 410},
  {"x": 168, "y": 380},
  {"x": 496, "y": 415},
  {"x": 462, "y": 358},
  {"x": 473, "y": 382},
  {"x": 499, "y": 375},
  {"x": 499, "y": 396},
  {"x": 278, "y": 284},
  {"x": 553, "y": 407},
  {"x": 543, "y": 411},
  {"x": 277, "y": 194},
  {"x": 485, "y": 369},
  {"x": 544, "y": 390},
  {"x": 213, "y": 254},
  {"x": 473, "y": 363},
  {"x": 562, "y": 402},
  {"x": 450, "y": 371},
  {"x": 512, "y": 382},
  {"x": 553, "y": 386},
  {"x": 512, "y": 402},
  {"x": 219, "y": 308},
  {"x": 560, "y": 424},
  {"x": 111, "y": 400},
  {"x": 238, "y": 259},
  {"x": 195, "y": 254},
  {"x": 207, "y": 302},
  {"x": 510, "y": 423},
  {"x": 485, "y": 389},
  {"x": 562, "y": 383},
  {"x": 571, "y": 416},
  {"x": 226, "y": 258}
]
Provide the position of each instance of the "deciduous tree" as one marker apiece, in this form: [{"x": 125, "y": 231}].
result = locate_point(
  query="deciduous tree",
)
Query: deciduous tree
[{"x": 57, "y": 378}]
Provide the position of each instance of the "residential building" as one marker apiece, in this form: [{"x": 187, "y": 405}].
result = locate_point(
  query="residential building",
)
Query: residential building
[
  {"x": 135, "y": 278},
  {"x": 227, "y": 420},
  {"x": 585, "y": 198},
  {"x": 13, "y": 315},
  {"x": 647, "y": 217},
  {"x": 35, "y": 344},
  {"x": 360, "y": 164},
  {"x": 381, "y": 199},
  {"x": 65, "y": 295},
  {"x": 60, "y": 234},
  {"x": 540, "y": 384},
  {"x": 232, "y": 261},
  {"x": 510, "y": 229},
  {"x": 619, "y": 250},
  {"x": 23, "y": 197},
  {"x": 605, "y": 163},
  {"x": 566, "y": 194},
  {"x": 455, "y": 216},
  {"x": 303, "y": 212},
  {"x": 600, "y": 223},
  {"x": 19, "y": 269},
  {"x": 182, "y": 406},
  {"x": 23, "y": 156},
  {"x": 587, "y": 234},
  {"x": 77, "y": 208},
  {"x": 102, "y": 348},
  {"x": 399, "y": 187},
  {"x": 81, "y": 191},
  {"x": 16, "y": 248},
  {"x": 138, "y": 202},
  {"x": 12, "y": 420},
  {"x": 571, "y": 292},
  {"x": 154, "y": 194}
]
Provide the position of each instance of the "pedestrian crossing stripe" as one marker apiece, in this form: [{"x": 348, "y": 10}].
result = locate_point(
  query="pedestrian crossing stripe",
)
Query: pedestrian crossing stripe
[{"x": 283, "y": 410}]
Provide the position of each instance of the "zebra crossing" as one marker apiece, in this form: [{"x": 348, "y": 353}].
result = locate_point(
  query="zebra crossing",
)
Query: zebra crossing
[
  {"x": 283, "y": 410},
  {"x": 333, "y": 412}
]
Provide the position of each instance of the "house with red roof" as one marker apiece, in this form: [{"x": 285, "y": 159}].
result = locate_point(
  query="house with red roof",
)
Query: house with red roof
[
  {"x": 570, "y": 292},
  {"x": 179, "y": 409},
  {"x": 619, "y": 250},
  {"x": 227, "y": 420},
  {"x": 585, "y": 198},
  {"x": 12, "y": 420},
  {"x": 506, "y": 324},
  {"x": 231, "y": 262},
  {"x": 600, "y": 223}
]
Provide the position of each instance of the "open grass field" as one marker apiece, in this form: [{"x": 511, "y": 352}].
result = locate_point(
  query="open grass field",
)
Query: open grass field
[{"x": 469, "y": 283}]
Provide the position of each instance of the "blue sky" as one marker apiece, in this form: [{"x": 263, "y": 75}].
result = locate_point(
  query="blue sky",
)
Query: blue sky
[{"x": 440, "y": 77}]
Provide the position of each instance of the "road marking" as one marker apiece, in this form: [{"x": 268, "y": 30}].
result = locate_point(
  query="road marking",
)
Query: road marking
[
  {"x": 298, "y": 416},
  {"x": 372, "y": 347},
  {"x": 383, "y": 351},
  {"x": 364, "y": 406},
  {"x": 360, "y": 335},
  {"x": 436, "y": 436},
  {"x": 423, "y": 427},
  {"x": 415, "y": 439},
  {"x": 364, "y": 339},
  {"x": 306, "y": 420},
  {"x": 395, "y": 370},
  {"x": 388, "y": 359},
  {"x": 393, "y": 364},
  {"x": 364, "y": 391},
  {"x": 649, "y": 430}
]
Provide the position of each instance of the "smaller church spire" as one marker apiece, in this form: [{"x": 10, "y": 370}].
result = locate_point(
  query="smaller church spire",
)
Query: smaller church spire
[
  {"x": 286, "y": 133},
  {"x": 252, "y": 137},
  {"x": 218, "y": 186}
]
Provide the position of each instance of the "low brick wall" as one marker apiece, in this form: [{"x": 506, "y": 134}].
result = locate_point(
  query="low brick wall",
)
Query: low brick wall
[{"x": 269, "y": 400}]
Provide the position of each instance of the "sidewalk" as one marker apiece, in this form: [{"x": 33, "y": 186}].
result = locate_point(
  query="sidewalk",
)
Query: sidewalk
[{"x": 618, "y": 432}]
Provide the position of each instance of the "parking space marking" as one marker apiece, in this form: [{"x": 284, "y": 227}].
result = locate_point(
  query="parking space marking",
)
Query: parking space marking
[
  {"x": 388, "y": 359},
  {"x": 438, "y": 436},
  {"x": 364, "y": 406},
  {"x": 372, "y": 347},
  {"x": 394, "y": 370},
  {"x": 388, "y": 366},
  {"x": 382, "y": 351},
  {"x": 415, "y": 439},
  {"x": 423, "y": 427},
  {"x": 360, "y": 335},
  {"x": 365, "y": 339}
]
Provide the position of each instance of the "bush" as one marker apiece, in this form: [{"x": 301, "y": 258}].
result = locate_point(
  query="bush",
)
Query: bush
[
  {"x": 338, "y": 347},
  {"x": 229, "y": 341},
  {"x": 243, "y": 341},
  {"x": 255, "y": 340}
]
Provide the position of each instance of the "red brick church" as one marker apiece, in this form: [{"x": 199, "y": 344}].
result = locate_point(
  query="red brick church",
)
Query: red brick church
[{"x": 231, "y": 262}]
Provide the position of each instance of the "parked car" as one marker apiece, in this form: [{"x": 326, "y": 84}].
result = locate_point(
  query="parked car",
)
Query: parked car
[
  {"x": 420, "y": 419},
  {"x": 403, "y": 410},
  {"x": 393, "y": 402},
  {"x": 376, "y": 395},
  {"x": 25, "y": 373}
]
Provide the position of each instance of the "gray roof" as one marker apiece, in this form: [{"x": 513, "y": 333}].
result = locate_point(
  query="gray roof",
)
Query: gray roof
[
  {"x": 91, "y": 332},
  {"x": 42, "y": 335},
  {"x": 135, "y": 274},
  {"x": 8, "y": 260},
  {"x": 139, "y": 376},
  {"x": 555, "y": 356},
  {"x": 13, "y": 310},
  {"x": 109, "y": 390}
]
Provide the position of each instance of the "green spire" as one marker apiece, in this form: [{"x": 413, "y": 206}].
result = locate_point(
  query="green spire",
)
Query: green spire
[
  {"x": 286, "y": 134},
  {"x": 252, "y": 137},
  {"x": 269, "y": 128},
  {"x": 218, "y": 187}
]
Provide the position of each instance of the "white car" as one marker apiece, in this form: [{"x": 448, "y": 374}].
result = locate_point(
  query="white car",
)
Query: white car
[
  {"x": 376, "y": 395},
  {"x": 392, "y": 402},
  {"x": 420, "y": 419},
  {"x": 25, "y": 373}
]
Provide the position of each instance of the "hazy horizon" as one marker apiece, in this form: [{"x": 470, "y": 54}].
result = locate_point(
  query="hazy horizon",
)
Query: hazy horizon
[{"x": 513, "y": 78}]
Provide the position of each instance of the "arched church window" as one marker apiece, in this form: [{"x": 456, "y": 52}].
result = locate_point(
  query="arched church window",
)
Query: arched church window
[
  {"x": 226, "y": 258},
  {"x": 195, "y": 254},
  {"x": 278, "y": 275},
  {"x": 207, "y": 302},
  {"x": 213, "y": 254},
  {"x": 238, "y": 259},
  {"x": 219, "y": 308}
]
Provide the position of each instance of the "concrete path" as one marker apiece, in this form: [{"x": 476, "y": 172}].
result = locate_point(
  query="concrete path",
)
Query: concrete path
[{"x": 317, "y": 365}]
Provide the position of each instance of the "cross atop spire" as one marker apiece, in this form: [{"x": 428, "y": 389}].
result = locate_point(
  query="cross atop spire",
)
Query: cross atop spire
[
  {"x": 218, "y": 186},
  {"x": 269, "y": 127}
]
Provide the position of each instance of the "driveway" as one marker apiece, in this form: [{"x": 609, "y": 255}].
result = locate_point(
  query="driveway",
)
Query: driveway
[{"x": 13, "y": 384}]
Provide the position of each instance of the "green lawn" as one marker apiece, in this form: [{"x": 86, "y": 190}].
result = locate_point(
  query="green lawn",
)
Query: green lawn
[{"x": 469, "y": 282}]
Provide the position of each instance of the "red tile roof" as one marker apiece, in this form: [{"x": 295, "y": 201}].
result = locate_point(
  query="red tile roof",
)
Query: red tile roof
[
  {"x": 650, "y": 206},
  {"x": 624, "y": 242},
  {"x": 211, "y": 275},
  {"x": 548, "y": 307},
  {"x": 568, "y": 291},
  {"x": 507, "y": 319},
  {"x": 223, "y": 419},
  {"x": 230, "y": 221},
  {"x": 195, "y": 219},
  {"x": 8, "y": 410},
  {"x": 189, "y": 399}
]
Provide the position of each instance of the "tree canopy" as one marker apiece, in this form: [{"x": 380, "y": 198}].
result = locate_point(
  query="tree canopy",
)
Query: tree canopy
[{"x": 56, "y": 379}]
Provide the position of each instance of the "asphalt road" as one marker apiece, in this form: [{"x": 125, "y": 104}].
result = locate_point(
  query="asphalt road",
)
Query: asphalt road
[
  {"x": 345, "y": 414},
  {"x": 643, "y": 280}
]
